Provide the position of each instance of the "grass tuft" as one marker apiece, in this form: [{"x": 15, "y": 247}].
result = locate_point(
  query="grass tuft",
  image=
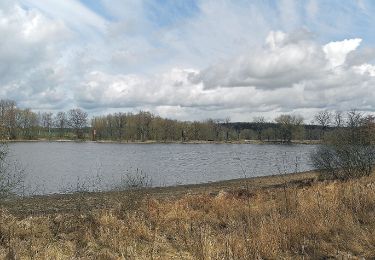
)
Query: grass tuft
[{"x": 329, "y": 219}]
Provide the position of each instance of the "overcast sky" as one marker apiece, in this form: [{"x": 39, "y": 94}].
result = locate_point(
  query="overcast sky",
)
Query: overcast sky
[{"x": 189, "y": 60}]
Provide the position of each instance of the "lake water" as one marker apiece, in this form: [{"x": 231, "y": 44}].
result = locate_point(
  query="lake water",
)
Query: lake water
[{"x": 57, "y": 167}]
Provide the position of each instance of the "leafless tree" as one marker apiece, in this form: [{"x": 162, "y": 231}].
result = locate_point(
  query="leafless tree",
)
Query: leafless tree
[
  {"x": 323, "y": 118},
  {"x": 354, "y": 121},
  {"x": 289, "y": 125},
  {"x": 216, "y": 125},
  {"x": 8, "y": 118},
  {"x": 349, "y": 151},
  {"x": 226, "y": 123},
  {"x": 354, "y": 118},
  {"x": 77, "y": 119},
  {"x": 120, "y": 123},
  {"x": 47, "y": 121},
  {"x": 27, "y": 122},
  {"x": 338, "y": 118},
  {"x": 143, "y": 125},
  {"x": 61, "y": 122},
  {"x": 269, "y": 133},
  {"x": 260, "y": 124}
]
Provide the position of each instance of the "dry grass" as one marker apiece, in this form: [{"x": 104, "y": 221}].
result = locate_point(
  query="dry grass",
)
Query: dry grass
[{"x": 316, "y": 220}]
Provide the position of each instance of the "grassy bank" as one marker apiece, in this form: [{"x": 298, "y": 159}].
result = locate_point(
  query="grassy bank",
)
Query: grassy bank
[{"x": 291, "y": 217}]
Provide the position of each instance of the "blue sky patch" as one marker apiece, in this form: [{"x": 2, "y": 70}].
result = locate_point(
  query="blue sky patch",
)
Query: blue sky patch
[{"x": 169, "y": 12}]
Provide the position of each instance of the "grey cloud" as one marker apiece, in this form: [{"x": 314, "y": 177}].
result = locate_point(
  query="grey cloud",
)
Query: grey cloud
[
  {"x": 29, "y": 54},
  {"x": 131, "y": 67},
  {"x": 284, "y": 60},
  {"x": 292, "y": 74},
  {"x": 172, "y": 88},
  {"x": 361, "y": 56}
]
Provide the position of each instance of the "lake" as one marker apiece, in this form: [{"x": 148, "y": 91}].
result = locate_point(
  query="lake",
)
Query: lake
[{"x": 60, "y": 167}]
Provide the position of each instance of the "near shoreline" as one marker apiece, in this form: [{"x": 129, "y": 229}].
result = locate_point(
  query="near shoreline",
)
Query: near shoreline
[
  {"x": 290, "y": 216},
  {"x": 54, "y": 203}
]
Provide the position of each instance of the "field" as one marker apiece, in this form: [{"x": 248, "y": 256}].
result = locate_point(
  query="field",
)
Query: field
[{"x": 279, "y": 217}]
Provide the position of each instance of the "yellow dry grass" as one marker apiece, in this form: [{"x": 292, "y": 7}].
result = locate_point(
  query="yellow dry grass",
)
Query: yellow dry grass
[{"x": 319, "y": 220}]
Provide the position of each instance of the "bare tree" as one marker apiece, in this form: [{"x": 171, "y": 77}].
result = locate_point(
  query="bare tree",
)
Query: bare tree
[
  {"x": 354, "y": 118},
  {"x": 143, "y": 125},
  {"x": 348, "y": 152},
  {"x": 259, "y": 125},
  {"x": 77, "y": 119},
  {"x": 216, "y": 125},
  {"x": 338, "y": 119},
  {"x": 323, "y": 118},
  {"x": 289, "y": 126},
  {"x": 61, "y": 122},
  {"x": 27, "y": 122},
  {"x": 47, "y": 121},
  {"x": 120, "y": 123},
  {"x": 226, "y": 123},
  {"x": 269, "y": 133},
  {"x": 196, "y": 131},
  {"x": 8, "y": 118}
]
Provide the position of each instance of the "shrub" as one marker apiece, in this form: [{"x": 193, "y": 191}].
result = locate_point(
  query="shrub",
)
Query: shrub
[{"x": 347, "y": 152}]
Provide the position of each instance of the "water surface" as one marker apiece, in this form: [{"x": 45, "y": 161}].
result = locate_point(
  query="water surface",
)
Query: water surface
[{"x": 54, "y": 167}]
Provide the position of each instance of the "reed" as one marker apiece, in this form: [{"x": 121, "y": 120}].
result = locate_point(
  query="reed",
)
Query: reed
[{"x": 330, "y": 219}]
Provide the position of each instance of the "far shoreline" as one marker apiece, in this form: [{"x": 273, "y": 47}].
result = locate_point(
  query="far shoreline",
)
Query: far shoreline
[{"x": 263, "y": 142}]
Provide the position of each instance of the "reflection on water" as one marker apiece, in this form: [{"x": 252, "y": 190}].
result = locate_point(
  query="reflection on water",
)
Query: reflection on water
[{"x": 59, "y": 167}]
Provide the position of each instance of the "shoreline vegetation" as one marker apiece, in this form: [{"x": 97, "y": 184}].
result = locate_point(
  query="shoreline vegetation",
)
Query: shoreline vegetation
[
  {"x": 167, "y": 142},
  {"x": 75, "y": 124},
  {"x": 291, "y": 216},
  {"x": 249, "y": 183}
]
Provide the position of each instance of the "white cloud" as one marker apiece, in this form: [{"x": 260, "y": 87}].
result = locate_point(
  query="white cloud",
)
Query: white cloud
[
  {"x": 29, "y": 43},
  {"x": 290, "y": 73},
  {"x": 30, "y": 69},
  {"x": 284, "y": 60},
  {"x": 365, "y": 69},
  {"x": 336, "y": 52},
  {"x": 72, "y": 13},
  {"x": 60, "y": 54}
]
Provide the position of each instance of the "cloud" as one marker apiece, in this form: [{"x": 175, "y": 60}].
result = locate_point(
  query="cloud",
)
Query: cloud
[
  {"x": 336, "y": 52},
  {"x": 291, "y": 72},
  {"x": 205, "y": 59},
  {"x": 173, "y": 88},
  {"x": 72, "y": 13},
  {"x": 361, "y": 56},
  {"x": 283, "y": 61},
  {"x": 28, "y": 51}
]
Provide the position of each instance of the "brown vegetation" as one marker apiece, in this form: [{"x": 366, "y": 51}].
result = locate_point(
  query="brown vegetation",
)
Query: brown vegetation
[
  {"x": 298, "y": 219},
  {"x": 25, "y": 124}
]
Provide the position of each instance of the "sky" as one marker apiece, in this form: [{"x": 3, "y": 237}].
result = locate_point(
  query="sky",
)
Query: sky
[{"x": 189, "y": 59}]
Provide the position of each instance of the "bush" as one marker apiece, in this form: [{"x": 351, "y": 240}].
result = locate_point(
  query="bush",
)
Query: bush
[
  {"x": 135, "y": 180},
  {"x": 347, "y": 152}
]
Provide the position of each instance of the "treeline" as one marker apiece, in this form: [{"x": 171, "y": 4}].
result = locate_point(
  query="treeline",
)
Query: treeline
[
  {"x": 16, "y": 123},
  {"x": 145, "y": 126}
]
